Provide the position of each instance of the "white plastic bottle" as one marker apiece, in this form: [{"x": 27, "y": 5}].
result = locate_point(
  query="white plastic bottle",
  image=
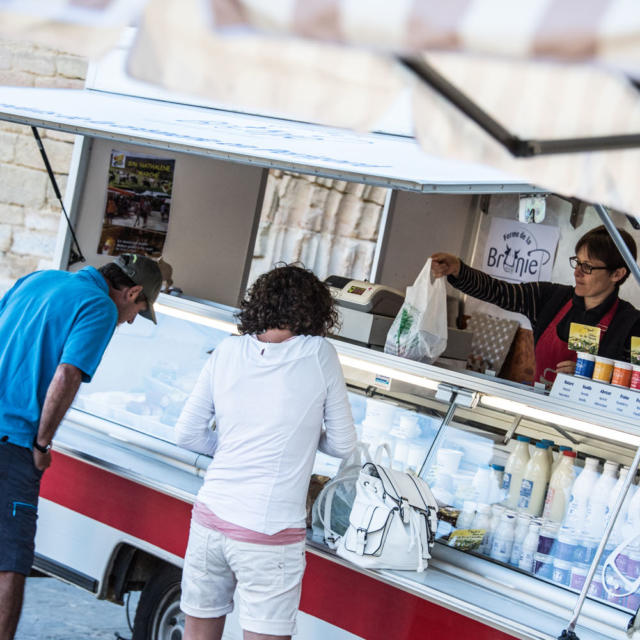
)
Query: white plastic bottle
[
  {"x": 533, "y": 488},
  {"x": 579, "y": 498},
  {"x": 598, "y": 504},
  {"x": 495, "y": 484},
  {"x": 514, "y": 470},
  {"x": 620, "y": 529},
  {"x": 482, "y": 520},
  {"x": 523, "y": 520},
  {"x": 502, "y": 543},
  {"x": 557, "y": 499},
  {"x": 467, "y": 515},
  {"x": 529, "y": 547},
  {"x": 482, "y": 485}
]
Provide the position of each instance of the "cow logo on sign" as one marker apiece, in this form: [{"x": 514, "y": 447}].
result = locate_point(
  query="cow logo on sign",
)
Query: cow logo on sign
[{"x": 518, "y": 253}]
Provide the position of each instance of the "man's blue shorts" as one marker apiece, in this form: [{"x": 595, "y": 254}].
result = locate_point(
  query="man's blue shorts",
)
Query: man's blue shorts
[{"x": 19, "y": 489}]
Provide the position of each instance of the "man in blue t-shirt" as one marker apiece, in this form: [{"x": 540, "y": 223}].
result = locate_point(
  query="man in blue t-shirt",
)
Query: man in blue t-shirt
[{"x": 54, "y": 328}]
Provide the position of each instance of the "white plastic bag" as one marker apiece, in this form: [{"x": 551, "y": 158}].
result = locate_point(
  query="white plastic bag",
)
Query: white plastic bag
[{"x": 419, "y": 331}]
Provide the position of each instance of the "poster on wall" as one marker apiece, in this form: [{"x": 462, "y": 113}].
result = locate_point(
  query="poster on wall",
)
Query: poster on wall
[
  {"x": 520, "y": 252},
  {"x": 136, "y": 215}
]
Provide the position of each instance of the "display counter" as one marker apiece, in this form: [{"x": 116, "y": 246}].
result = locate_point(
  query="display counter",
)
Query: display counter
[{"x": 455, "y": 430}]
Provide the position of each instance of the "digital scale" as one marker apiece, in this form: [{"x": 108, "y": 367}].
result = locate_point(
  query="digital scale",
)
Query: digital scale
[{"x": 366, "y": 309}]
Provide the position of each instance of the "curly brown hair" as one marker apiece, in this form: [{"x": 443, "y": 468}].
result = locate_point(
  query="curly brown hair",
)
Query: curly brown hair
[{"x": 288, "y": 297}]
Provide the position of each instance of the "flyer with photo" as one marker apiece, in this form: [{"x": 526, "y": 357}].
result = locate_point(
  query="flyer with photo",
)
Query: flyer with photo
[
  {"x": 584, "y": 338},
  {"x": 136, "y": 216}
]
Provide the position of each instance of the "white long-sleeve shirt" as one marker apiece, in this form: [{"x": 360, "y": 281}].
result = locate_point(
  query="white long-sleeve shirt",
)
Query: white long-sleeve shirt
[{"x": 269, "y": 401}]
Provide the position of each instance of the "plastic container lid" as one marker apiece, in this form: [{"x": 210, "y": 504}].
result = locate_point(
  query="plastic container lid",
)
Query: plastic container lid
[
  {"x": 563, "y": 448},
  {"x": 524, "y": 438},
  {"x": 497, "y": 467},
  {"x": 569, "y": 454},
  {"x": 542, "y": 445},
  {"x": 547, "y": 441}
]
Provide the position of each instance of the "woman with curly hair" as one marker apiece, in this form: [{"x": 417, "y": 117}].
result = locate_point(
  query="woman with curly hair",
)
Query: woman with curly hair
[{"x": 270, "y": 390}]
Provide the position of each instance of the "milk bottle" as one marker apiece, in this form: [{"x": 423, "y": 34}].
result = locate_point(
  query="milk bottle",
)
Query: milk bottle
[
  {"x": 482, "y": 520},
  {"x": 580, "y": 492},
  {"x": 495, "y": 483},
  {"x": 550, "y": 444},
  {"x": 598, "y": 503},
  {"x": 496, "y": 515},
  {"x": 529, "y": 547},
  {"x": 468, "y": 513},
  {"x": 558, "y": 460},
  {"x": 620, "y": 527},
  {"x": 522, "y": 528},
  {"x": 482, "y": 484},
  {"x": 514, "y": 470},
  {"x": 502, "y": 543},
  {"x": 557, "y": 499},
  {"x": 533, "y": 488}
]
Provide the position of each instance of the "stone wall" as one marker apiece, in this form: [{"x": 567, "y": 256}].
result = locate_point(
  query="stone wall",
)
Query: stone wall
[
  {"x": 330, "y": 226},
  {"x": 29, "y": 210}
]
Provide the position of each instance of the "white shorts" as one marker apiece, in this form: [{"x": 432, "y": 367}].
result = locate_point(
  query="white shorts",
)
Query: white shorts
[{"x": 267, "y": 580}]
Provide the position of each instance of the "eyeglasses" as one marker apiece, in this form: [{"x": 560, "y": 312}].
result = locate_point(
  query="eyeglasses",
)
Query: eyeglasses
[{"x": 585, "y": 267}]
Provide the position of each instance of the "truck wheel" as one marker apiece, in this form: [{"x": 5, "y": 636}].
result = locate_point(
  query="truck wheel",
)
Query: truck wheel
[{"x": 158, "y": 616}]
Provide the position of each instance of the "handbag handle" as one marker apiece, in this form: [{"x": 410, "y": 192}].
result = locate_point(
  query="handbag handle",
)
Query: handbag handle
[
  {"x": 382, "y": 448},
  {"x": 630, "y": 585}
]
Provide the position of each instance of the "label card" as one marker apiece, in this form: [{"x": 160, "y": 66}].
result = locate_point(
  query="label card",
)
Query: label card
[
  {"x": 635, "y": 350},
  {"x": 584, "y": 338}
]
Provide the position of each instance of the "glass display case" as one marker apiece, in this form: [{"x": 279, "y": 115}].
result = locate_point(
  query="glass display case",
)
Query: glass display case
[{"x": 525, "y": 483}]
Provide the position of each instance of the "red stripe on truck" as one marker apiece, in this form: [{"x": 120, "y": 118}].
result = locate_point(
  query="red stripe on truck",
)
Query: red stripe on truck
[
  {"x": 332, "y": 592},
  {"x": 378, "y": 611},
  {"x": 120, "y": 503}
]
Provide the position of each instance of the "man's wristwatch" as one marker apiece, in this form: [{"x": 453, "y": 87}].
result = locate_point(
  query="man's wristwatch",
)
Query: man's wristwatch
[{"x": 39, "y": 447}]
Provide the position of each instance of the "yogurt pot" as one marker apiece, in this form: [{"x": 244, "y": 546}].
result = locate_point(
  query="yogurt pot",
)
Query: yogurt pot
[
  {"x": 548, "y": 535},
  {"x": 565, "y": 546},
  {"x": 635, "y": 377},
  {"x": 578, "y": 576},
  {"x": 596, "y": 590},
  {"x": 543, "y": 565},
  {"x": 585, "y": 364},
  {"x": 561, "y": 572},
  {"x": 621, "y": 376},
  {"x": 585, "y": 551},
  {"x": 603, "y": 369},
  {"x": 632, "y": 602}
]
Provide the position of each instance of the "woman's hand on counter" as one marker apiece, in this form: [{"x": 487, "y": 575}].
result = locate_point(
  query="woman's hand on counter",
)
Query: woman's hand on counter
[
  {"x": 445, "y": 264},
  {"x": 566, "y": 366}
]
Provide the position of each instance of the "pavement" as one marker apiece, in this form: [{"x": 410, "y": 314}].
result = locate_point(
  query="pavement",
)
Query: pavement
[{"x": 54, "y": 610}]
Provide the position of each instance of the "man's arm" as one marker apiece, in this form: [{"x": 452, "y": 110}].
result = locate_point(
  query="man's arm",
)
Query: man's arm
[{"x": 60, "y": 394}]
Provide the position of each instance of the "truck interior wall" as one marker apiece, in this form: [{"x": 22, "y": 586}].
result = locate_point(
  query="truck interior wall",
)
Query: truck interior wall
[
  {"x": 212, "y": 224},
  {"x": 419, "y": 225}
]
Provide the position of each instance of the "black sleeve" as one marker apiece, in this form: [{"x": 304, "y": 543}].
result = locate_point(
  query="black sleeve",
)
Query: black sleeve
[{"x": 525, "y": 298}]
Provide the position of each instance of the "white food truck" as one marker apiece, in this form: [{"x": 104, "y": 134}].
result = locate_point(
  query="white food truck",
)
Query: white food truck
[{"x": 115, "y": 504}]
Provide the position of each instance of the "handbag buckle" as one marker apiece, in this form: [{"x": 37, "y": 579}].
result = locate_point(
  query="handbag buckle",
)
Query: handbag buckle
[
  {"x": 361, "y": 539},
  {"x": 404, "y": 510}
]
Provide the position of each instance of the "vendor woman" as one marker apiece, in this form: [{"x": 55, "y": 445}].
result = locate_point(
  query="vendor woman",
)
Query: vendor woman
[{"x": 598, "y": 269}]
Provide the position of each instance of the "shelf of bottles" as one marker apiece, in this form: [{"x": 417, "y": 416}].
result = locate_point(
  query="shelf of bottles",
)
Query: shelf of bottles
[{"x": 540, "y": 506}]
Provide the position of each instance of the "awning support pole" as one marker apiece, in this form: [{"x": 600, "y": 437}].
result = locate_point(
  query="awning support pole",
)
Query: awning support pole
[
  {"x": 74, "y": 256},
  {"x": 619, "y": 242}
]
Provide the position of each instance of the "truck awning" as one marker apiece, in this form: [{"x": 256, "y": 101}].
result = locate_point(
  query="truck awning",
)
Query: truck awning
[{"x": 379, "y": 159}]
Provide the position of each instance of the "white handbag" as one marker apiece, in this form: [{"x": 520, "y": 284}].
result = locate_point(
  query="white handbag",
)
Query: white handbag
[{"x": 393, "y": 521}]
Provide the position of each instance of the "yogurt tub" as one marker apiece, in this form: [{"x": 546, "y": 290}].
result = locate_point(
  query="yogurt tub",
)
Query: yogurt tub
[
  {"x": 621, "y": 376},
  {"x": 635, "y": 377},
  {"x": 585, "y": 364},
  {"x": 603, "y": 369}
]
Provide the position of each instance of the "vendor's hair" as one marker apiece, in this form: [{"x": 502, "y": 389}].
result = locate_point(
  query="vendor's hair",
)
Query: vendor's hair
[
  {"x": 288, "y": 297},
  {"x": 118, "y": 279},
  {"x": 600, "y": 245}
]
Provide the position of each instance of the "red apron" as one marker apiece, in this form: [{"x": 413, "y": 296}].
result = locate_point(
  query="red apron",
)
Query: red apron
[{"x": 550, "y": 349}]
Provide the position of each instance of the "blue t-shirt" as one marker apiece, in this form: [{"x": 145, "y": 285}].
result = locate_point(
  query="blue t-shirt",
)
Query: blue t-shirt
[{"x": 48, "y": 318}]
